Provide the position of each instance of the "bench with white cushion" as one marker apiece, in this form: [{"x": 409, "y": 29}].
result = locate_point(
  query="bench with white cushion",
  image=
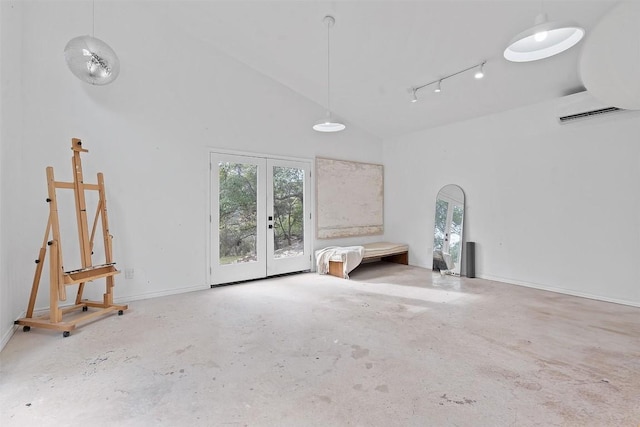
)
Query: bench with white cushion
[{"x": 379, "y": 251}]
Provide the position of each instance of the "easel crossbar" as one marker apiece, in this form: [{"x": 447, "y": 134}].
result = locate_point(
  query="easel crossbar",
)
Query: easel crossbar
[
  {"x": 88, "y": 275},
  {"x": 70, "y": 185}
]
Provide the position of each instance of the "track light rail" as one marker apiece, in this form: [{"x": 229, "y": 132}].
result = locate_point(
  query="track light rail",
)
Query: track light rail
[{"x": 439, "y": 81}]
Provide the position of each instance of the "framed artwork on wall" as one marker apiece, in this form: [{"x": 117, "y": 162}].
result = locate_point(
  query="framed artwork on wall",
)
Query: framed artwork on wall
[{"x": 349, "y": 198}]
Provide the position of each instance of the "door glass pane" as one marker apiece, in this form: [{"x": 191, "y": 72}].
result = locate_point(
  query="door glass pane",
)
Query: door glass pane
[
  {"x": 288, "y": 211},
  {"x": 456, "y": 232},
  {"x": 238, "y": 212},
  {"x": 442, "y": 208}
]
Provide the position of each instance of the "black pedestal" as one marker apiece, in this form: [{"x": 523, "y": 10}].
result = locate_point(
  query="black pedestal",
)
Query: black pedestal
[{"x": 470, "y": 258}]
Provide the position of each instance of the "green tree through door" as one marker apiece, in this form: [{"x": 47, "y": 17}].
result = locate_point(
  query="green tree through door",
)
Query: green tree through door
[
  {"x": 288, "y": 210},
  {"x": 238, "y": 212}
]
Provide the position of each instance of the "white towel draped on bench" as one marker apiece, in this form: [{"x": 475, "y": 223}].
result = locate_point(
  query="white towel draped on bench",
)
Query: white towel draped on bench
[{"x": 350, "y": 256}]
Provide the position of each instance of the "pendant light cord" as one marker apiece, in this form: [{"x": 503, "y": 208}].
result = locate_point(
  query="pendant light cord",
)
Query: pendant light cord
[
  {"x": 93, "y": 18},
  {"x": 328, "y": 66},
  {"x": 327, "y": 124}
]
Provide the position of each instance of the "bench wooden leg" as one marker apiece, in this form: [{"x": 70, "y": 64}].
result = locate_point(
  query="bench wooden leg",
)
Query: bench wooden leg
[
  {"x": 402, "y": 258},
  {"x": 336, "y": 268}
]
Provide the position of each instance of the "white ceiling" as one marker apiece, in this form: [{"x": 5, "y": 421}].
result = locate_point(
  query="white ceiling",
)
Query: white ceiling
[{"x": 380, "y": 49}]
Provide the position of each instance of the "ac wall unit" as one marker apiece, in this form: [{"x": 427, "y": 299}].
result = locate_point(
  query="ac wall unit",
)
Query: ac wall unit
[{"x": 583, "y": 106}]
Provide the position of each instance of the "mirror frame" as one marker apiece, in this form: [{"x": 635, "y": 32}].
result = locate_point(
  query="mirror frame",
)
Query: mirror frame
[{"x": 454, "y": 196}]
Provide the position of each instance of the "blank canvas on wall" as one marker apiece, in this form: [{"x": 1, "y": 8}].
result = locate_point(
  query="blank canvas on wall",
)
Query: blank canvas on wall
[{"x": 349, "y": 198}]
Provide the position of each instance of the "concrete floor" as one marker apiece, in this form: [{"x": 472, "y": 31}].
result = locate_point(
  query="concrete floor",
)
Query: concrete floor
[{"x": 394, "y": 346}]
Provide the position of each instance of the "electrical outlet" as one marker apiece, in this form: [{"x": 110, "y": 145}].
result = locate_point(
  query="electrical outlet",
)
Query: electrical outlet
[{"x": 128, "y": 273}]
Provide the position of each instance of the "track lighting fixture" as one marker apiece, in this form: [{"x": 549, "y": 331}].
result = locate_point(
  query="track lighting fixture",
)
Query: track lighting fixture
[{"x": 478, "y": 75}]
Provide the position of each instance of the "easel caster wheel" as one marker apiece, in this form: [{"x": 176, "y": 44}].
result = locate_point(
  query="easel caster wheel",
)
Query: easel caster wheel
[
  {"x": 26, "y": 328},
  {"x": 120, "y": 312},
  {"x": 66, "y": 334},
  {"x": 85, "y": 308}
]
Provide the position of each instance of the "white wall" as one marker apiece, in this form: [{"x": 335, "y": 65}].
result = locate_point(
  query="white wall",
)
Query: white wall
[
  {"x": 10, "y": 163},
  {"x": 550, "y": 206},
  {"x": 150, "y": 133}
]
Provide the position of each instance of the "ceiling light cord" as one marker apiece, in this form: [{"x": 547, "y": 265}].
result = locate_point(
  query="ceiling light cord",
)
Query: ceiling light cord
[
  {"x": 327, "y": 124},
  {"x": 329, "y": 25},
  {"x": 93, "y": 18},
  {"x": 478, "y": 75}
]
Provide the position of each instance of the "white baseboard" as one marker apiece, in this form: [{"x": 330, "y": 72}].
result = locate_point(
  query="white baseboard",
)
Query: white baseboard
[
  {"x": 164, "y": 293},
  {"x": 557, "y": 290},
  {"x": 7, "y": 336}
]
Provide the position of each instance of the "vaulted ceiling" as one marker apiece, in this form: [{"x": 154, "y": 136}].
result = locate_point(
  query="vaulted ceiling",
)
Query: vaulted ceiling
[{"x": 380, "y": 49}]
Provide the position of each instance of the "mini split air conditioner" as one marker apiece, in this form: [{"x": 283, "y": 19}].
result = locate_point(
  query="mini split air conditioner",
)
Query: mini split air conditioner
[{"x": 583, "y": 106}]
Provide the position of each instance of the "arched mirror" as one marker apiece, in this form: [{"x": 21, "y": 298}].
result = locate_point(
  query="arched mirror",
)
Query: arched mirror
[{"x": 447, "y": 235}]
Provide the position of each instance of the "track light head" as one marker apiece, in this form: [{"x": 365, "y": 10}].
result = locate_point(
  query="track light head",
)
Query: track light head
[
  {"x": 414, "y": 97},
  {"x": 479, "y": 73}
]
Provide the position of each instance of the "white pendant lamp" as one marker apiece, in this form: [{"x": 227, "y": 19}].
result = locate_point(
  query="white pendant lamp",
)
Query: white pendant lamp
[
  {"x": 328, "y": 124},
  {"x": 92, "y": 60},
  {"x": 543, "y": 40}
]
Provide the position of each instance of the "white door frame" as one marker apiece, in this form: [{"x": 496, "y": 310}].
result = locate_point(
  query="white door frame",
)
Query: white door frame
[
  {"x": 266, "y": 264},
  {"x": 289, "y": 264},
  {"x": 246, "y": 270}
]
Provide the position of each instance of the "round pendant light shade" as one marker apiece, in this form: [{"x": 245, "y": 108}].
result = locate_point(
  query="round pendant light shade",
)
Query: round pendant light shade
[
  {"x": 92, "y": 60},
  {"x": 329, "y": 126},
  {"x": 543, "y": 40}
]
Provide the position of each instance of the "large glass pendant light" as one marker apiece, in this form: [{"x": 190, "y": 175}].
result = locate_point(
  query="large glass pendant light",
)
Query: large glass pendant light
[
  {"x": 328, "y": 124},
  {"x": 543, "y": 40},
  {"x": 92, "y": 60}
]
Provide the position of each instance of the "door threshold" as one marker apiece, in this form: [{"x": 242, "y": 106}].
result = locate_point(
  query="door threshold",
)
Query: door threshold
[{"x": 260, "y": 278}]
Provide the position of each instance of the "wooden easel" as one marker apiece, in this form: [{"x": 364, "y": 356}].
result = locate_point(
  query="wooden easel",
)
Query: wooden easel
[{"x": 60, "y": 279}]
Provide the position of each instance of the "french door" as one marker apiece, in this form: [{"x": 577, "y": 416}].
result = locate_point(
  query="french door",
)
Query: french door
[{"x": 260, "y": 217}]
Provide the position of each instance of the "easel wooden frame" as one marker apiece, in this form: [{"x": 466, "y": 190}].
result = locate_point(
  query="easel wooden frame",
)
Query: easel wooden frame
[{"x": 58, "y": 278}]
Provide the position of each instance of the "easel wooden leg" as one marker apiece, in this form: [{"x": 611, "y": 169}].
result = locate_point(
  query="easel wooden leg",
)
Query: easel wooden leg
[
  {"x": 79, "y": 294},
  {"x": 55, "y": 315},
  {"x": 36, "y": 282},
  {"x": 108, "y": 296}
]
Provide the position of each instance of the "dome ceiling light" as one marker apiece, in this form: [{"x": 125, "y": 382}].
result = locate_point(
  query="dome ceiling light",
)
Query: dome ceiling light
[{"x": 543, "y": 40}]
